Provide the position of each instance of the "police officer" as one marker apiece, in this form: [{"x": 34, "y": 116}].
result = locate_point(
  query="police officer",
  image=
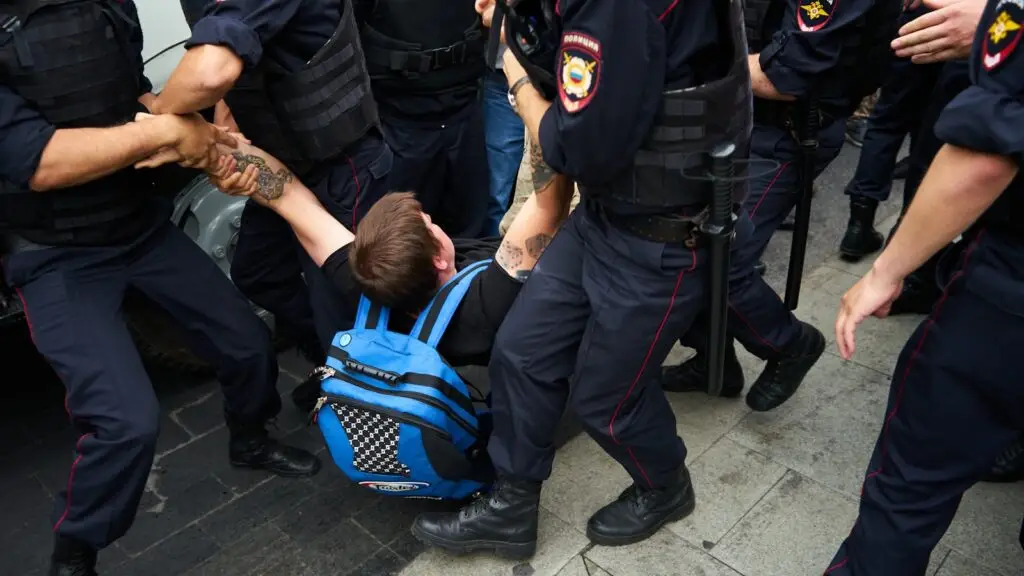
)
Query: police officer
[
  {"x": 955, "y": 401},
  {"x": 627, "y": 271},
  {"x": 901, "y": 105},
  {"x": 80, "y": 227},
  {"x": 426, "y": 63},
  {"x": 804, "y": 55},
  {"x": 293, "y": 76}
]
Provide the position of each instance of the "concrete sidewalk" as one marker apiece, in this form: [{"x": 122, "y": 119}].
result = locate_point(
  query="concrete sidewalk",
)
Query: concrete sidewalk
[{"x": 776, "y": 492}]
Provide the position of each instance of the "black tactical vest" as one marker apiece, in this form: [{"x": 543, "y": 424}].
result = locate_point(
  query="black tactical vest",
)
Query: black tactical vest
[
  {"x": 865, "y": 45},
  {"x": 672, "y": 166},
  {"x": 423, "y": 46},
  {"x": 311, "y": 115},
  {"x": 73, "y": 61}
]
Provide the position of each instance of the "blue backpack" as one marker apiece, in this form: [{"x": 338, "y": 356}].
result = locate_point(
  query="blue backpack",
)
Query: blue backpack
[{"x": 396, "y": 417}]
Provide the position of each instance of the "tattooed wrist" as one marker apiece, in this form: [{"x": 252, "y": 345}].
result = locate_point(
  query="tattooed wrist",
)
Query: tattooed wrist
[
  {"x": 509, "y": 257},
  {"x": 269, "y": 184}
]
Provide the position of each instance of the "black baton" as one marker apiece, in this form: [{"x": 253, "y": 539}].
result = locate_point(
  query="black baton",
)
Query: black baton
[
  {"x": 805, "y": 124},
  {"x": 718, "y": 228}
]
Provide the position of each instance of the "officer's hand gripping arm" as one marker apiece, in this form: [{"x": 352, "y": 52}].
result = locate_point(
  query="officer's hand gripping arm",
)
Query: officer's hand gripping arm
[{"x": 272, "y": 185}]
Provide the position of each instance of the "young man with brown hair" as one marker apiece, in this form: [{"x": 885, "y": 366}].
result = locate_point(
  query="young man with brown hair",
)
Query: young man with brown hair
[{"x": 399, "y": 257}]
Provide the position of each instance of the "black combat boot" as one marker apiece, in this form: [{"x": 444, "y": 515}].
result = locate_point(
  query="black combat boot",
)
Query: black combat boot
[
  {"x": 72, "y": 558},
  {"x": 692, "y": 375},
  {"x": 1009, "y": 467},
  {"x": 782, "y": 376},
  {"x": 252, "y": 447},
  {"x": 861, "y": 238},
  {"x": 639, "y": 512},
  {"x": 504, "y": 521},
  {"x": 760, "y": 267}
]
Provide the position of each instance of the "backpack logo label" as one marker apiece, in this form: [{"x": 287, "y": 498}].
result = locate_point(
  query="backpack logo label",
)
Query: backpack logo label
[
  {"x": 345, "y": 340},
  {"x": 394, "y": 486}
]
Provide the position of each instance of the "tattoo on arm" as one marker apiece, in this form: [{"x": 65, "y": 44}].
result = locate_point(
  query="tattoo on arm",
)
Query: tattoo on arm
[
  {"x": 541, "y": 174},
  {"x": 535, "y": 245},
  {"x": 269, "y": 184},
  {"x": 509, "y": 257}
]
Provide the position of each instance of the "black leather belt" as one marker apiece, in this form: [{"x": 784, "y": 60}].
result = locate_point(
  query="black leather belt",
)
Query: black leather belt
[{"x": 664, "y": 228}]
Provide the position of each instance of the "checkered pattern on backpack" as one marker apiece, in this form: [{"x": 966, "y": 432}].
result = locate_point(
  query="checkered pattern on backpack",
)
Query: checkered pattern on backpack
[{"x": 374, "y": 439}]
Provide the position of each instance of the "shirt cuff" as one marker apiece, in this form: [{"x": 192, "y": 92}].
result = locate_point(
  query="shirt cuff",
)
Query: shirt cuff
[
  {"x": 983, "y": 121},
  {"x": 230, "y": 33}
]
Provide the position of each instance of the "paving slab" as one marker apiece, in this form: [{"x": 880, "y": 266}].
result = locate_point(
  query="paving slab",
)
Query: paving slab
[
  {"x": 663, "y": 554},
  {"x": 582, "y": 566}
]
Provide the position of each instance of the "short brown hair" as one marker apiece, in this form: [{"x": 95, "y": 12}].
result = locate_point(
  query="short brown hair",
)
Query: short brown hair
[{"x": 392, "y": 256}]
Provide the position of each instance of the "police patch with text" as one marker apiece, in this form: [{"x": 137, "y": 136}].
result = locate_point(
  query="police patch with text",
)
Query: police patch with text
[
  {"x": 1002, "y": 33},
  {"x": 813, "y": 15},
  {"x": 579, "y": 72}
]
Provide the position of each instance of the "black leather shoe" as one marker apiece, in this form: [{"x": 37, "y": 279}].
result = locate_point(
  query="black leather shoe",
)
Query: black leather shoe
[
  {"x": 72, "y": 558},
  {"x": 861, "y": 238},
  {"x": 692, "y": 375},
  {"x": 504, "y": 522},
  {"x": 782, "y": 376},
  {"x": 760, "y": 267},
  {"x": 305, "y": 395},
  {"x": 640, "y": 512},
  {"x": 1009, "y": 466},
  {"x": 251, "y": 447},
  {"x": 855, "y": 129}
]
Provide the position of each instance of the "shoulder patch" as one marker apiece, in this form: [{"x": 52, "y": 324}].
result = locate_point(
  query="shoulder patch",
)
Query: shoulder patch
[
  {"x": 1002, "y": 33},
  {"x": 813, "y": 15},
  {"x": 579, "y": 70}
]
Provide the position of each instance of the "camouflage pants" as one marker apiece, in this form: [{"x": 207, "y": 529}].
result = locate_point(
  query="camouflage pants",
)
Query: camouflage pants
[{"x": 866, "y": 105}]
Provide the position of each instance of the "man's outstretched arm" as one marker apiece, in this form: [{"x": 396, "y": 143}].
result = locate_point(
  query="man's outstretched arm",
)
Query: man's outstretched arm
[
  {"x": 539, "y": 219},
  {"x": 274, "y": 186}
]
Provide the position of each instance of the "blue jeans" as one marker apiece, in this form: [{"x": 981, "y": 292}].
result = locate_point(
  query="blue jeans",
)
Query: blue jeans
[{"x": 503, "y": 131}]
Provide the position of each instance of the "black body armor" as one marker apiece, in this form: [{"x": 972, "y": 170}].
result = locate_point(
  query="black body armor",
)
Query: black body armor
[
  {"x": 73, "y": 61},
  {"x": 311, "y": 115},
  {"x": 423, "y": 46},
  {"x": 866, "y": 44}
]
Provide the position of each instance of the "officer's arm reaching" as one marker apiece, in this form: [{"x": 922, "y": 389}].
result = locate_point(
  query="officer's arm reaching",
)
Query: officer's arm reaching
[
  {"x": 227, "y": 37},
  {"x": 611, "y": 72}
]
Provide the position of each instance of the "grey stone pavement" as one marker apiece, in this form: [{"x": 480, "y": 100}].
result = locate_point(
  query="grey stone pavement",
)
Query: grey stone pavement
[{"x": 776, "y": 492}]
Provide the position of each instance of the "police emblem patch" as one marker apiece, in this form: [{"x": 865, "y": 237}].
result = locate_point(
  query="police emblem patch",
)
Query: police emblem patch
[
  {"x": 812, "y": 15},
  {"x": 1003, "y": 33},
  {"x": 579, "y": 70}
]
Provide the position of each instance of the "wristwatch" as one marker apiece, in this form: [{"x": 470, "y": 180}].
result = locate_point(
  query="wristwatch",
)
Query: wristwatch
[{"x": 514, "y": 89}]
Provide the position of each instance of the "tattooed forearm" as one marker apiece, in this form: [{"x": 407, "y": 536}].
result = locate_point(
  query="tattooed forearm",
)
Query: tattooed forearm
[
  {"x": 535, "y": 245},
  {"x": 269, "y": 184},
  {"x": 541, "y": 174},
  {"x": 509, "y": 257}
]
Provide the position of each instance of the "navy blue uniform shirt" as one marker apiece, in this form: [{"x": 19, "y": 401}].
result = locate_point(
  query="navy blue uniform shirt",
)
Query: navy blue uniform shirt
[
  {"x": 616, "y": 59},
  {"x": 24, "y": 133},
  {"x": 286, "y": 32},
  {"x": 809, "y": 42}
]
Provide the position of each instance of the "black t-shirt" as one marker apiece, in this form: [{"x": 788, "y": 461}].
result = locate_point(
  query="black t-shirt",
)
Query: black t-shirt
[{"x": 470, "y": 335}]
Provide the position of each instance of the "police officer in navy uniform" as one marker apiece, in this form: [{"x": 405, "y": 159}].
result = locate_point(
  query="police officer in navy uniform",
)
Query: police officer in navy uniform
[
  {"x": 642, "y": 91},
  {"x": 426, "y": 64},
  {"x": 955, "y": 401},
  {"x": 293, "y": 76},
  {"x": 803, "y": 53},
  {"x": 80, "y": 226}
]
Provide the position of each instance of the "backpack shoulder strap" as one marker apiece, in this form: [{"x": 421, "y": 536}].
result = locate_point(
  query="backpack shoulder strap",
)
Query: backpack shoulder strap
[
  {"x": 434, "y": 319},
  {"x": 371, "y": 316}
]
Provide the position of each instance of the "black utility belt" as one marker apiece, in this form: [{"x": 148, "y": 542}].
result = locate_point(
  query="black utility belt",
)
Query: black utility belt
[{"x": 663, "y": 228}]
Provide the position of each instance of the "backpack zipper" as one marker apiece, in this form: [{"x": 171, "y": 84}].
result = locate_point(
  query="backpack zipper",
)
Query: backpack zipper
[
  {"x": 428, "y": 400},
  {"x": 406, "y": 418}
]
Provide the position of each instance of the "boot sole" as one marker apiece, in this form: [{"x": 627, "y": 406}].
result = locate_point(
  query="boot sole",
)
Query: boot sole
[
  {"x": 281, "y": 473},
  {"x": 640, "y": 537},
  {"x": 510, "y": 550}
]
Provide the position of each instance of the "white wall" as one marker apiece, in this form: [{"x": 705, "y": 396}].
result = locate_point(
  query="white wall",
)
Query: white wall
[{"x": 163, "y": 25}]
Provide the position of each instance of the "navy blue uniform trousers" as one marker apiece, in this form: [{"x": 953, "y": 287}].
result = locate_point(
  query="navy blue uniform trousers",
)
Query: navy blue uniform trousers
[
  {"x": 269, "y": 263},
  {"x": 590, "y": 330},
  {"x": 73, "y": 301},
  {"x": 445, "y": 164},
  {"x": 955, "y": 402}
]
